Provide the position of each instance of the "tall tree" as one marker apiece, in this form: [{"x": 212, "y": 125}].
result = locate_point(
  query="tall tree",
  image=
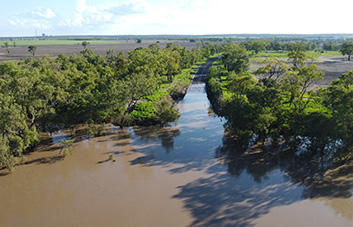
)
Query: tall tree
[
  {"x": 134, "y": 87},
  {"x": 347, "y": 49},
  {"x": 235, "y": 58},
  {"x": 6, "y": 45},
  {"x": 257, "y": 46},
  {"x": 297, "y": 83},
  {"x": 339, "y": 98},
  {"x": 84, "y": 44},
  {"x": 32, "y": 49},
  {"x": 272, "y": 67}
]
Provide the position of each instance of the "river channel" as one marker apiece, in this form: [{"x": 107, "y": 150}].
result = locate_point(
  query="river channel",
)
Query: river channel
[{"x": 183, "y": 175}]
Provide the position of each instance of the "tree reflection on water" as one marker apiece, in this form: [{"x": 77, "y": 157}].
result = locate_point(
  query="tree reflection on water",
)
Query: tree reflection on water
[
  {"x": 156, "y": 133},
  {"x": 320, "y": 178}
]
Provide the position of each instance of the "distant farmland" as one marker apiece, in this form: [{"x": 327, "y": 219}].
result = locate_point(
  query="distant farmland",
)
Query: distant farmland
[
  {"x": 61, "y": 42},
  {"x": 54, "y": 47}
]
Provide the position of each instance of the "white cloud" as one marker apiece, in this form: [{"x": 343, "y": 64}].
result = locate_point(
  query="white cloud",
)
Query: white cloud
[
  {"x": 126, "y": 8},
  {"x": 96, "y": 17},
  {"x": 40, "y": 18},
  {"x": 81, "y": 5},
  {"x": 184, "y": 17},
  {"x": 44, "y": 13},
  {"x": 28, "y": 23}
]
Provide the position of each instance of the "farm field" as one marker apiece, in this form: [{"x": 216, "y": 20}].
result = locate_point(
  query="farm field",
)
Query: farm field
[
  {"x": 52, "y": 48},
  {"x": 332, "y": 63}
]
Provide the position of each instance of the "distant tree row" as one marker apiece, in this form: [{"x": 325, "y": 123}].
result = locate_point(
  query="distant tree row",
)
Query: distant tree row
[
  {"x": 261, "y": 45},
  {"x": 256, "y": 46}
]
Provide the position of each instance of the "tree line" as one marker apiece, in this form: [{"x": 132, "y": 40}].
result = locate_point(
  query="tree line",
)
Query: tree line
[
  {"x": 256, "y": 46},
  {"x": 46, "y": 94},
  {"x": 282, "y": 104}
]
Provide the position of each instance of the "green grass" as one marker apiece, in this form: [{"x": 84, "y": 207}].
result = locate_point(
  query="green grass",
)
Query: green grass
[
  {"x": 265, "y": 54},
  {"x": 60, "y": 42},
  {"x": 314, "y": 54},
  {"x": 275, "y": 54}
]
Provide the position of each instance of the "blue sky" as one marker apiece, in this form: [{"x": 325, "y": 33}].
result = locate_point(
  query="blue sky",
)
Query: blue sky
[{"x": 143, "y": 17}]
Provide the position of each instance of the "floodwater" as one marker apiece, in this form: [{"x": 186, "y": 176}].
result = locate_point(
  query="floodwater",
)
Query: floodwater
[{"x": 184, "y": 175}]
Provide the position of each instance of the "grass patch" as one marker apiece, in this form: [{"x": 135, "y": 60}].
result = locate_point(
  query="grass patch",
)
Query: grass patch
[
  {"x": 314, "y": 54},
  {"x": 265, "y": 54},
  {"x": 276, "y": 54}
]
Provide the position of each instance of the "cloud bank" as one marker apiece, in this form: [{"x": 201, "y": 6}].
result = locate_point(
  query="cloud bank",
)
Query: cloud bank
[{"x": 114, "y": 17}]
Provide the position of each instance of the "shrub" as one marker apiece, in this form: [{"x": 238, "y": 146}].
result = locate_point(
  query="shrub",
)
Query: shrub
[{"x": 143, "y": 110}]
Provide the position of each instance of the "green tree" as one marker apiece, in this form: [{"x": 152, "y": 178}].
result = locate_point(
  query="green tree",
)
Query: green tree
[
  {"x": 239, "y": 84},
  {"x": 32, "y": 49},
  {"x": 85, "y": 44},
  {"x": 297, "y": 83},
  {"x": 347, "y": 49},
  {"x": 339, "y": 98},
  {"x": 297, "y": 46},
  {"x": 6, "y": 45},
  {"x": 298, "y": 58},
  {"x": 118, "y": 63},
  {"x": 135, "y": 86},
  {"x": 272, "y": 67},
  {"x": 166, "y": 113},
  {"x": 235, "y": 58},
  {"x": 257, "y": 46},
  {"x": 172, "y": 63}
]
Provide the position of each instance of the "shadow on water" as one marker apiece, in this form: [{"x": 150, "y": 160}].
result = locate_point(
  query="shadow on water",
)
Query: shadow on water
[
  {"x": 257, "y": 181},
  {"x": 46, "y": 160},
  {"x": 165, "y": 135},
  {"x": 318, "y": 178},
  {"x": 220, "y": 201},
  {"x": 148, "y": 141}
]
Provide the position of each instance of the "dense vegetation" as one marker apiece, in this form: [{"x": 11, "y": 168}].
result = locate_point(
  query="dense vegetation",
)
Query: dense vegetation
[
  {"x": 46, "y": 94},
  {"x": 281, "y": 105}
]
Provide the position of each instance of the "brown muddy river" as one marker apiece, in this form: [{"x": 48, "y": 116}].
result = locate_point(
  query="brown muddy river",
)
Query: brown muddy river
[{"x": 184, "y": 175}]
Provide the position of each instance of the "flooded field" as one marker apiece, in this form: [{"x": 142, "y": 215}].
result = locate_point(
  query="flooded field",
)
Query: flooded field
[{"x": 183, "y": 175}]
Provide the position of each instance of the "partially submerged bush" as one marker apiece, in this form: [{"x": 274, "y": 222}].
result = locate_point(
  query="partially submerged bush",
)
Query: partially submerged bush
[
  {"x": 166, "y": 113},
  {"x": 94, "y": 130},
  {"x": 143, "y": 110},
  {"x": 67, "y": 146}
]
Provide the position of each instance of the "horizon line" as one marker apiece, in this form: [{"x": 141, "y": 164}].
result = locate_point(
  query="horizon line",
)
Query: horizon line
[{"x": 185, "y": 35}]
